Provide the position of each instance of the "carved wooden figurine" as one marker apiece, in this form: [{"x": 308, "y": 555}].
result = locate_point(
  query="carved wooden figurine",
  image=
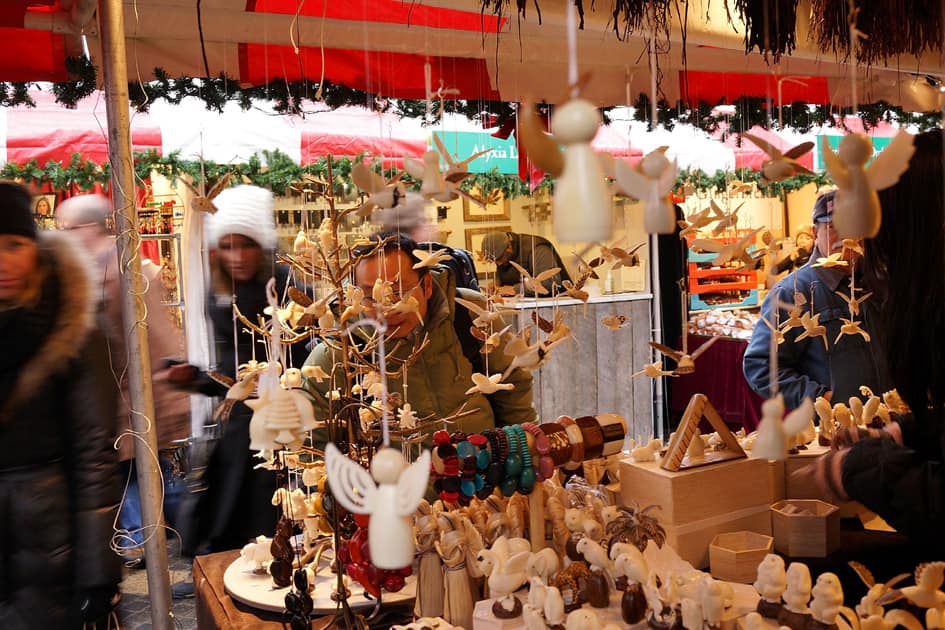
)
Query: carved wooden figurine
[{"x": 770, "y": 584}]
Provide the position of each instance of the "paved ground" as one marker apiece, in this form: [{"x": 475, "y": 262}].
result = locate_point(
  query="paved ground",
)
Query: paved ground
[{"x": 134, "y": 611}]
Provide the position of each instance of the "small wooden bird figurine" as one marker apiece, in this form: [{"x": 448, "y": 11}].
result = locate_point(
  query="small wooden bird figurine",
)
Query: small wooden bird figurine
[
  {"x": 696, "y": 221},
  {"x": 429, "y": 259},
  {"x": 428, "y": 172},
  {"x": 851, "y": 327},
  {"x": 575, "y": 291},
  {"x": 726, "y": 220},
  {"x": 406, "y": 305},
  {"x": 927, "y": 592},
  {"x": 780, "y": 166},
  {"x": 626, "y": 257},
  {"x": 390, "y": 493},
  {"x": 614, "y": 322},
  {"x": 833, "y": 260},
  {"x": 777, "y": 332},
  {"x": 685, "y": 363},
  {"x": 485, "y": 317},
  {"x": 854, "y": 303},
  {"x": 488, "y": 384},
  {"x": 856, "y": 209},
  {"x": 534, "y": 284},
  {"x": 381, "y": 193},
  {"x": 654, "y": 370},
  {"x": 813, "y": 328},
  {"x": 794, "y": 315},
  {"x": 651, "y": 182},
  {"x": 726, "y": 252}
]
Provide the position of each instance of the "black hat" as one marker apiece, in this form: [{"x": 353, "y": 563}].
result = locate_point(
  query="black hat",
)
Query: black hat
[{"x": 16, "y": 212}]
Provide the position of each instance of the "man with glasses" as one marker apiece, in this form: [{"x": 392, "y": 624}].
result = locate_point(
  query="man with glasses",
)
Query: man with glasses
[
  {"x": 834, "y": 365},
  {"x": 417, "y": 304}
]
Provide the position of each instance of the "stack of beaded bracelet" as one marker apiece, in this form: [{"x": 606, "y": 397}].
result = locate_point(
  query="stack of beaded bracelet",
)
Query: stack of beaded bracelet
[
  {"x": 526, "y": 479},
  {"x": 513, "y": 463},
  {"x": 445, "y": 464},
  {"x": 546, "y": 465},
  {"x": 470, "y": 481}
]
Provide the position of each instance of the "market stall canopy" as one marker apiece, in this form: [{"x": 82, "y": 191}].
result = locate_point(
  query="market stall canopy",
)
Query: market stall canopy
[{"x": 382, "y": 46}]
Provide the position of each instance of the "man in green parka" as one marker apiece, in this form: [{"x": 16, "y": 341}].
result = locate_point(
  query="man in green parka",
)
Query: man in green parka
[{"x": 438, "y": 380}]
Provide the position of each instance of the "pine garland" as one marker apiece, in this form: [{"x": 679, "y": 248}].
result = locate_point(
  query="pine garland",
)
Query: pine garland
[
  {"x": 802, "y": 117},
  {"x": 278, "y": 172},
  {"x": 769, "y": 27}
]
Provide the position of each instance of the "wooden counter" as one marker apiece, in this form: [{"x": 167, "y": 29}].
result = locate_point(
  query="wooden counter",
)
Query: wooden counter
[{"x": 590, "y": 373}]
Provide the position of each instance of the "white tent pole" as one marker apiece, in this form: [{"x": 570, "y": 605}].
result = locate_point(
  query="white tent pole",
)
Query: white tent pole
[
  {"x": 656, "y": 310},
  {"x": 140, "y": 391}
]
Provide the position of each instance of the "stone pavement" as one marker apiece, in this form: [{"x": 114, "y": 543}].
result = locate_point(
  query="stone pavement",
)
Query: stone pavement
[{"x": 134, "y": 611}]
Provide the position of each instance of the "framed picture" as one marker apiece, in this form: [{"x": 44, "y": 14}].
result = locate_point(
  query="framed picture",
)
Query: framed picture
[
  {"x": 44, "y": 205},
  {"x": 499, "y": 211},
  {"x": 474, "y": 238}
]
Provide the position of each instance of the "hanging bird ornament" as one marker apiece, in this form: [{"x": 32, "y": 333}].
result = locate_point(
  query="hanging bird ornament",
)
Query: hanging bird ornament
[
  {"x": 380, "y": 193},
  {"x": 651, "y": 182},
  {"x": 390, "y": 493},
  {"x": 779, "y": 166},
  {"x": 856, "y": 209}
]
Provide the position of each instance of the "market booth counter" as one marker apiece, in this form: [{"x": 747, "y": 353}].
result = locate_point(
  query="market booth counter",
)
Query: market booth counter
[{"x": 590, "y": 373}]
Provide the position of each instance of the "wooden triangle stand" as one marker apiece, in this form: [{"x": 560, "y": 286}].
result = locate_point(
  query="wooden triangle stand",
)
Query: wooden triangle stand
[{"x": 676, "y": 457}]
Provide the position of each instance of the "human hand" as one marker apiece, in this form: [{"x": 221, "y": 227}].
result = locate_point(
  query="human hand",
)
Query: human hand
[
  {"x": 827, "y": 474},
  {"x": 180, "y": 374}
]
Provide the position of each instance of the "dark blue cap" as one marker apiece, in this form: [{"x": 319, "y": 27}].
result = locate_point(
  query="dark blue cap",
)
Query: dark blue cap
[{"x": 823, "y": 207}]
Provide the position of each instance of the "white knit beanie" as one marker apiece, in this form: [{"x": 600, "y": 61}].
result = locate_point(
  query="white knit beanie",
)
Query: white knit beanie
[{"x": 243, "y": 210}]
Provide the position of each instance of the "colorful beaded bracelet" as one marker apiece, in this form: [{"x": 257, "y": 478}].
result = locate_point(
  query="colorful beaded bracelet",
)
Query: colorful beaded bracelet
[
  {"x": 614, "y": 428},
  {"x": 546, "y": 465},
  {"x": 593, "y": 437},
  {"x": 526, "y": 479},
  {"x": 558, "y": 441},
  {"x": 576, "y": 438}
]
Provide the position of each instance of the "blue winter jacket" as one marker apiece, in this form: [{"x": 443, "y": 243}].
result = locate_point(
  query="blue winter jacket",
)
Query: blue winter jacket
[{"x": 807, "y": 368}]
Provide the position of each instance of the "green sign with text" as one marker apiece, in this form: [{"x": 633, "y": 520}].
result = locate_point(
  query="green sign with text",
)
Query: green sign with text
[
  {"x": 834, "y": 141},
  {"x": 502, "y": 155}
]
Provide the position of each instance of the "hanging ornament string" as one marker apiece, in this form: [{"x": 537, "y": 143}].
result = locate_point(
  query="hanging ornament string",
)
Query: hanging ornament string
[
  {"x": 855, "y": 35},
  {"x": 653, "y": 77},
  {"x": 572, "y": 51},
  {"x": 381, "y": 329}
]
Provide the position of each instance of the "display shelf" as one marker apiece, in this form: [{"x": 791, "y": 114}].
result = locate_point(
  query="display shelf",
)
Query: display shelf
[{"x": 747, "y": 301}]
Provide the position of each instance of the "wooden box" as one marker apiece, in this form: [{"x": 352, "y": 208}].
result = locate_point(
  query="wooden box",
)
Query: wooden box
[
  {"x": 735, "y": 556},
  {"x": 805, "y": 528},
  {"x": 696, "y": 494},
  {"x": 691, "y": 540}
]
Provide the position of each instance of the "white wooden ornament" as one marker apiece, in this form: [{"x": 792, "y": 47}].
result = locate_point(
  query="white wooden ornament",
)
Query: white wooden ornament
[{"x": 390, "y": 493}]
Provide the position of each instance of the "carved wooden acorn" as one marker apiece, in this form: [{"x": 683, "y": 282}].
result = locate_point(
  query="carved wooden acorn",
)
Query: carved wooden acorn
[{"x": 633, "y": 604}]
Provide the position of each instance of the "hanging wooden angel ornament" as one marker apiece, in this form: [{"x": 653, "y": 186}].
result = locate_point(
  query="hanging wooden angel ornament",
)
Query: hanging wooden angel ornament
[
  {"x": 280, "y": 416},
  {"x": 392, "y": 490},
  {"x": 856, "y": 209},
  {"x": 390, "y": 493},
  {"x": 651, "y": 182},
  {"x": 581, "y": 208}
]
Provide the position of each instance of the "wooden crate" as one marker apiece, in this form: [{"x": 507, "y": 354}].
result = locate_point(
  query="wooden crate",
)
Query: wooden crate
[
  {"x": 814, "y": 534},
  {"x": 735, "y": 556},
  {"x": 697, "y": 494}
]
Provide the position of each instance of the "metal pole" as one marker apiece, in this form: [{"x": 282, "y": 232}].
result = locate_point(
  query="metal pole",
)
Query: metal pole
[
  {"x": 133, "y": 309},
  {"x": 656, "y": 310}
]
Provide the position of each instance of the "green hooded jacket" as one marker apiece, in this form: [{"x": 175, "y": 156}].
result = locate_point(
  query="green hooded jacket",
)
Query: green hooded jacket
[{"x": 438, "y": 380}]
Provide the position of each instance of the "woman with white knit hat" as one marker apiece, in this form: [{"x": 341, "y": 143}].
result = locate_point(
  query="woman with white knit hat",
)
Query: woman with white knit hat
[{"x": 241, "y": 237}]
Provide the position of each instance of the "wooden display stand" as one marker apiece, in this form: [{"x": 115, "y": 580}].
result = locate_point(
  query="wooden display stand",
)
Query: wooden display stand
[
  {"x": 701, "y": 501},
  {"x": 735, "y": 556}
]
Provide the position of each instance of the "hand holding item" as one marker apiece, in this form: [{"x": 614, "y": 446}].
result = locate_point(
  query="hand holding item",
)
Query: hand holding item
[
  {"x": 179, "y": 374},
  {"x": 828, "y": 475}
]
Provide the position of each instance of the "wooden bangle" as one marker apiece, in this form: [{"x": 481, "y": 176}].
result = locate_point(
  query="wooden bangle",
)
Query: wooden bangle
[
  {"x": 614, "y": 428},
  {"x": 593, "y": 437},
  {"x": 576, "y": 438},
  {"x": 546, "y": 465},
  {"x": 558, "y": 442}
]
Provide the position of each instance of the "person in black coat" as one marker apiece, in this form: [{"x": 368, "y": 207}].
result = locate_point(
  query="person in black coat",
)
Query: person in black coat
[
  {"x": 236, "y": 506},
  {"x": 899, "y": 471},
  {"x": 59, "y": 481}
]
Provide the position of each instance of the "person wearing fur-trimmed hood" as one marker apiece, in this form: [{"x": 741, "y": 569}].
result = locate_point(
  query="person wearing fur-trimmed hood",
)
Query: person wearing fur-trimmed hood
[{"x": 59, "y": 489}]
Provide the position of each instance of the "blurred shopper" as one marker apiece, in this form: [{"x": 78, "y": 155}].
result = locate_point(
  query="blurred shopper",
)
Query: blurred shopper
[
  {"x": 236, "y": 506},
  {"x": 533, "y": 253},
  {"x": 59, "y": 482},
  {"x": 85, "y": 216}
]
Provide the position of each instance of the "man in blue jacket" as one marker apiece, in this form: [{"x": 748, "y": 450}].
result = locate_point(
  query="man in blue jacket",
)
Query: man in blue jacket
[{"x": 810, "y": 366}]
